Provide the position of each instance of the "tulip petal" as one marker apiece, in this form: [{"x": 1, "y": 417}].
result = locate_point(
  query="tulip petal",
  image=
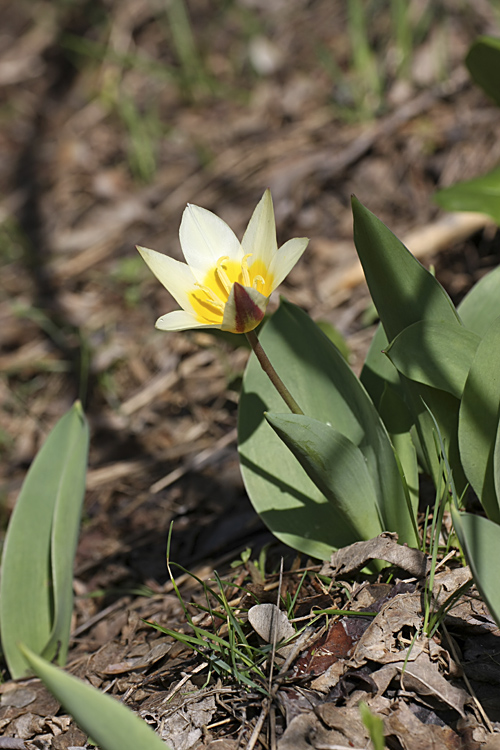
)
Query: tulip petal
[
  {"x": 180, "y": 320},
  {"x": 205, "y": 238},
  {"x": 285, "y": 259},
  {"x": 260, "y": 235},
  {"x": 244, "y": 309},
  {"x": 175, "y": 276}
]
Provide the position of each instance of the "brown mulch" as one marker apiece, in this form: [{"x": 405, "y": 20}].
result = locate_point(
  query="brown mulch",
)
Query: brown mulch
[{"x": 85, "y": 86}]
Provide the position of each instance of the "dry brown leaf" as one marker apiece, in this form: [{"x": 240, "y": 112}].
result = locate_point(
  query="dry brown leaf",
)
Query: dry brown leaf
[
  {"x": 270, "y": 622},
  {"x": 330, "y": 678},
  {"x": 378, "y": 643},
  {"x": 383, "y": 547},
  {"x": 446, "y": 582},
  {"x": 182, "y": 716},
  {"x": 423, "y": 677},
  {"x": 492, "y": 742},
  {"x": 346, "y": 721},
  {"x": 300, "y": 733},
  {"x": 414, "y": 735}
]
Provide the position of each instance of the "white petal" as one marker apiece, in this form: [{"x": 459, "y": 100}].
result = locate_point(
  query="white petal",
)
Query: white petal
[
  {"x": 179, "y": 320},
  {"x": 285, "y": 259},
  {"x": 260, "y": 236},
  {"x": 204, "y": 239},
  {"x": 175, "y": 276}
]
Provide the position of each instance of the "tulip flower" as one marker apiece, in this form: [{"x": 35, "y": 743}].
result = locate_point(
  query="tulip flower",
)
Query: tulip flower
[{"x": 224, "y": 283}]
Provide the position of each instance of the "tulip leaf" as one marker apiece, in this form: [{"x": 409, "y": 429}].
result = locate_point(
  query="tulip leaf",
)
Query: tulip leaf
[
  {"x": 378, "y": 370},
  {"x": 327, "y": 390},
  {"x": 438, "y": 354},
  {"x": 480, "y": 541},
  {"x": 338, "y": 468},
  {"x": 480, "y": 194},
  {"x": 478, "y": 421},
  {"x": 382, "y": 381},
  {"x": 109, "y": 722},
  {"x": 483, "y": 62},
  {"x": 404, "y": 292},
  {"x": 36, "y": 597},
  {"x": 479, "y": 307},
  {"x": 335, "y": 337},
  {"x": 496, "y": 463},
  {"x": 398, "y": 421}
]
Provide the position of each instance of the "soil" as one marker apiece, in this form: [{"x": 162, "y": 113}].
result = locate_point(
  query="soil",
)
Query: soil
[{"x": 114, "y": 115}]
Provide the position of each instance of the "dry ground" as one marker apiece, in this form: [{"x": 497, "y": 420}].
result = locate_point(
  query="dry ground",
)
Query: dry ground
[{"x": 109, "y": 126}]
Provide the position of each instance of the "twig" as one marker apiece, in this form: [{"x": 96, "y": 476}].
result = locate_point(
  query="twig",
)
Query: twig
[{"x": 258, "y": 726}]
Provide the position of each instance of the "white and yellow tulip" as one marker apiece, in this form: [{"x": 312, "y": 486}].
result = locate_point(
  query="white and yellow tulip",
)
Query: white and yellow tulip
[{"x": 224, "y": 283}]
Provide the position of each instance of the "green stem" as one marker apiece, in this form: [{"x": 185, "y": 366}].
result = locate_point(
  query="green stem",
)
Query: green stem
[{"x": 272, "y": 374}]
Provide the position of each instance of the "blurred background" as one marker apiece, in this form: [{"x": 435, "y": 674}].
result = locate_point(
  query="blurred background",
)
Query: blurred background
[{"x": 116, "y": 113}]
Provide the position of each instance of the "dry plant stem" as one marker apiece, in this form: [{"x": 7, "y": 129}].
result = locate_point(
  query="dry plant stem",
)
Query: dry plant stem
[{"x": 272, "y": 374}]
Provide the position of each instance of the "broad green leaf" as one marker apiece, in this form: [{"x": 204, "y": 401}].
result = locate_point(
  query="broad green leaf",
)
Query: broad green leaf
[
  {"x": 378, "y": 370},
  {"x": 335, "y": 337},
  {"x": 404, "y": 292},
  {"x": 480, "y": 540},
  {"x": 480, "y": 194},
  {"x": 496, "y": 463},
  {"x": 338, "y": 468},
  {"x": 478, "y": 421},
  {"x": 479, "y": 307},
  {"x": 109, "y": 723},
  {"x": 398, "y": 421},
  {"x": 382, "y": 381},
  {"x": 438, "y": 354},
  {"x": 483, "y": 62},
  {"x": 36, "y": 597},
  {"x": 327, "y": 390}
]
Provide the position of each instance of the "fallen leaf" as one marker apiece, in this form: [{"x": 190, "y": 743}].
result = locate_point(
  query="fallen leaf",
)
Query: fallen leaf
[
  {"x": 383, "y": 547},
  {"x": 268, "y": 620},
  {"x": 414, "y": 735}
]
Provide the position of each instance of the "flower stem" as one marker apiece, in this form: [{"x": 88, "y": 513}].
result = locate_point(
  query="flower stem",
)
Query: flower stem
[{"x": 272, "y": 374}]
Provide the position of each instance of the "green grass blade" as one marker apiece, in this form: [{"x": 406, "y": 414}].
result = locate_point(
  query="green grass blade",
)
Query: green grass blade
[
  {"x": 110, "y": 723},
  {"x": 36, "y": 596}
]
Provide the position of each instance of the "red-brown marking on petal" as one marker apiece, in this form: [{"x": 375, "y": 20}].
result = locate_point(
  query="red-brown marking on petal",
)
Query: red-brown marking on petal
[{"x": 248, "y": 314}]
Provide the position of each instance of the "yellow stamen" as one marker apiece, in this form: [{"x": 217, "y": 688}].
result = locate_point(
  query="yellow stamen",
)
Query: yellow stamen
[
  {"x": 244, "y": 269},
  {"x": 256, "y": 279},
  {"x": 212, "y": 297},
  {"x": 223, "y": 277}
]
